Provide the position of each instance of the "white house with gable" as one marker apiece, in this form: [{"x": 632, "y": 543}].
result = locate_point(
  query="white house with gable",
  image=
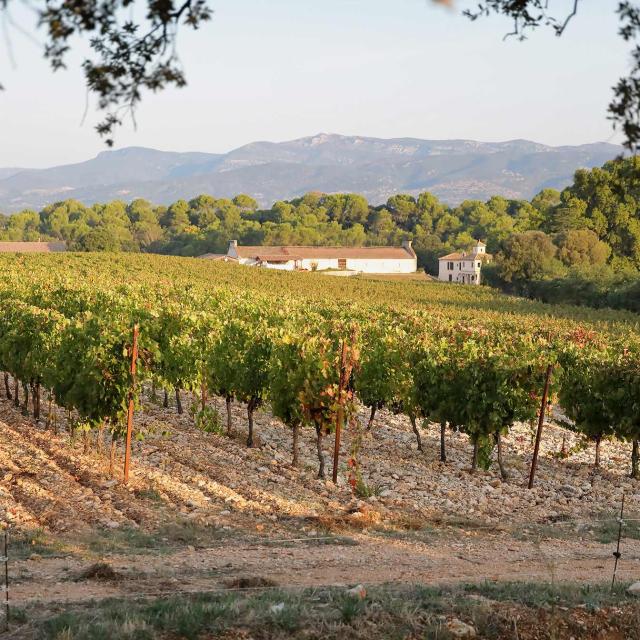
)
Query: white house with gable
[
  {"x": 464, "y": 267},
  {"x": 356, "y": 259}
]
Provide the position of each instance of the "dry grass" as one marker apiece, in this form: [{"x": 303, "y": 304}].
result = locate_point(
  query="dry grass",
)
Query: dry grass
[{"x": 496, "y": 611}]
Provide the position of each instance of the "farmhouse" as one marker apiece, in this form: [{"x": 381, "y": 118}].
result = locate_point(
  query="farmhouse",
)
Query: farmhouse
[
  {"x": 357, "y": 259},
  {"x": 32, "y": 247},
  {"x": 464, "y": 267}
]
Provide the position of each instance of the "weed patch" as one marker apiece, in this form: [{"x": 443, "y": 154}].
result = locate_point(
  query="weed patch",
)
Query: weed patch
[
  {"x": 541, "y": 611},
  {"x": 24, "y": 544},
  {"x": 166, "y": 539},
  {"x": 601, "y": 528}
]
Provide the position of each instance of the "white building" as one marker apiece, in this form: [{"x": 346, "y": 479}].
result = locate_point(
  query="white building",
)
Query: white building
[
  {"x": 464, "y": 267},
  {"x": 358, "y": 259}
]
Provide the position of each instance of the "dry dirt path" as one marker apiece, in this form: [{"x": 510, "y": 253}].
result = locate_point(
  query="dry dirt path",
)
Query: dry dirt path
[{"x": 370, "y": 561}]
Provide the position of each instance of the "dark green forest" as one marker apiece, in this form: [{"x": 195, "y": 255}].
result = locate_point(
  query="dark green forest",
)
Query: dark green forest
[{"x": 580, "y": 245}]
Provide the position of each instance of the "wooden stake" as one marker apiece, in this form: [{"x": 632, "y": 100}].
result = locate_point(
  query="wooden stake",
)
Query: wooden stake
[
  {"x": 543, "y": 406},
  {"x": 134, "y": 358},
  {"x": 563, "y": 449},
  {"x": 340, "y": 416}
]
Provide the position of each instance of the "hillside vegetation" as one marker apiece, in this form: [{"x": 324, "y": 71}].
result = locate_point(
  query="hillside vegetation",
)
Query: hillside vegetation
[
  {"x": 580, "y": 246},
  {"x": 454, "y": 170}
]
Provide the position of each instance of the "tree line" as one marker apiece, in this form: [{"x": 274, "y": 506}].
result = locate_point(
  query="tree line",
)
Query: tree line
[{"x": 576, "y": 243}]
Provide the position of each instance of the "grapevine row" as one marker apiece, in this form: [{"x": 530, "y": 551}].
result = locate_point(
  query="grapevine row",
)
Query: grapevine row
[{"x": 65, "y": 326}]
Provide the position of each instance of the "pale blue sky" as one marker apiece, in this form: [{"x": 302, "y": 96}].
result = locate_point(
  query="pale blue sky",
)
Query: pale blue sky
[{"x": 281, "y": 69}]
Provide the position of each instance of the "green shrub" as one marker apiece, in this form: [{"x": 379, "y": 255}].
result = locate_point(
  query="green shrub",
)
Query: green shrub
[{"x": 209, "y": 421}]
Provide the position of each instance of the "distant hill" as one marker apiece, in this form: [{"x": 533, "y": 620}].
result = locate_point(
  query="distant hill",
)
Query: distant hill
[
  {"x": 454, "y": 170},
  {"x": 8, "y": 171}
]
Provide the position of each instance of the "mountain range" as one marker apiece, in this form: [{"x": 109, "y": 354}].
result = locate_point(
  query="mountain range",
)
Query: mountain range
[{"x": 454, "y": 170}]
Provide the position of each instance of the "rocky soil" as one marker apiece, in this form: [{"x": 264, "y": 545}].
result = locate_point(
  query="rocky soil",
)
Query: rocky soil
[{"x": 417, "y": 519}]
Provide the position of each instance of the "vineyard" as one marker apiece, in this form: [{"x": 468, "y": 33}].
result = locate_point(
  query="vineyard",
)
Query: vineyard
[
  {"x": 297, "y": 430},
  {"x": 312, "y": 348}
]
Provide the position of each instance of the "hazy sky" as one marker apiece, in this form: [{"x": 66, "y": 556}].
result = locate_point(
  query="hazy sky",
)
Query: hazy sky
[{"x": 282, "y": 69}]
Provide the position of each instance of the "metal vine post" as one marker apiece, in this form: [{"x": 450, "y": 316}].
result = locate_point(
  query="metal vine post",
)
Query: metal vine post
[{"x": 616, "y": 554}]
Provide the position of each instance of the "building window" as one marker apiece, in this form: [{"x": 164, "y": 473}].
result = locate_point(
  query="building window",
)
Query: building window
[
  {"x": 450, "y": 277},
  {"x": 478, "y": 264},
  {"x": 473, "y": 278},
  {"x": 342, "y": 263},
  {"x": 450, "y": 266}
]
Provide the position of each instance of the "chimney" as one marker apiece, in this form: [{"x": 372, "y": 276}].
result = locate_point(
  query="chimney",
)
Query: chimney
[{"x": 406, "y": 244}]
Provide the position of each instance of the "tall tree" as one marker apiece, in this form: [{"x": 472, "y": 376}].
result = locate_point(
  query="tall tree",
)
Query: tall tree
[
  {"x": 581, "y": 248},
  {"x": 527, "y": 256}
]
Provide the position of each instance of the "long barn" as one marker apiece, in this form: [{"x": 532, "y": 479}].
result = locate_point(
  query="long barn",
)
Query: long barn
[{"x": 359, "y": 259}]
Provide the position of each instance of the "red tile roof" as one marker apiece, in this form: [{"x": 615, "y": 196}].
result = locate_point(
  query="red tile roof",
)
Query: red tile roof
[
  {"x": 312, "y": 253},
  {"x": 467, "y": 257},
  {"x": 32, "y": 247},
  {"x": 452, "y": 256},
  {"x": 280, "y": 257}
]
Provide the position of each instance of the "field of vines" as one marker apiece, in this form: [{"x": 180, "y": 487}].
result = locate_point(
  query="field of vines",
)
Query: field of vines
[{"x": 311, "y": 347}]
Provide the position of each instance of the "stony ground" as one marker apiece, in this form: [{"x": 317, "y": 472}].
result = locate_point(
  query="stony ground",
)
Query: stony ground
[{"x": 202, "y": 509}]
